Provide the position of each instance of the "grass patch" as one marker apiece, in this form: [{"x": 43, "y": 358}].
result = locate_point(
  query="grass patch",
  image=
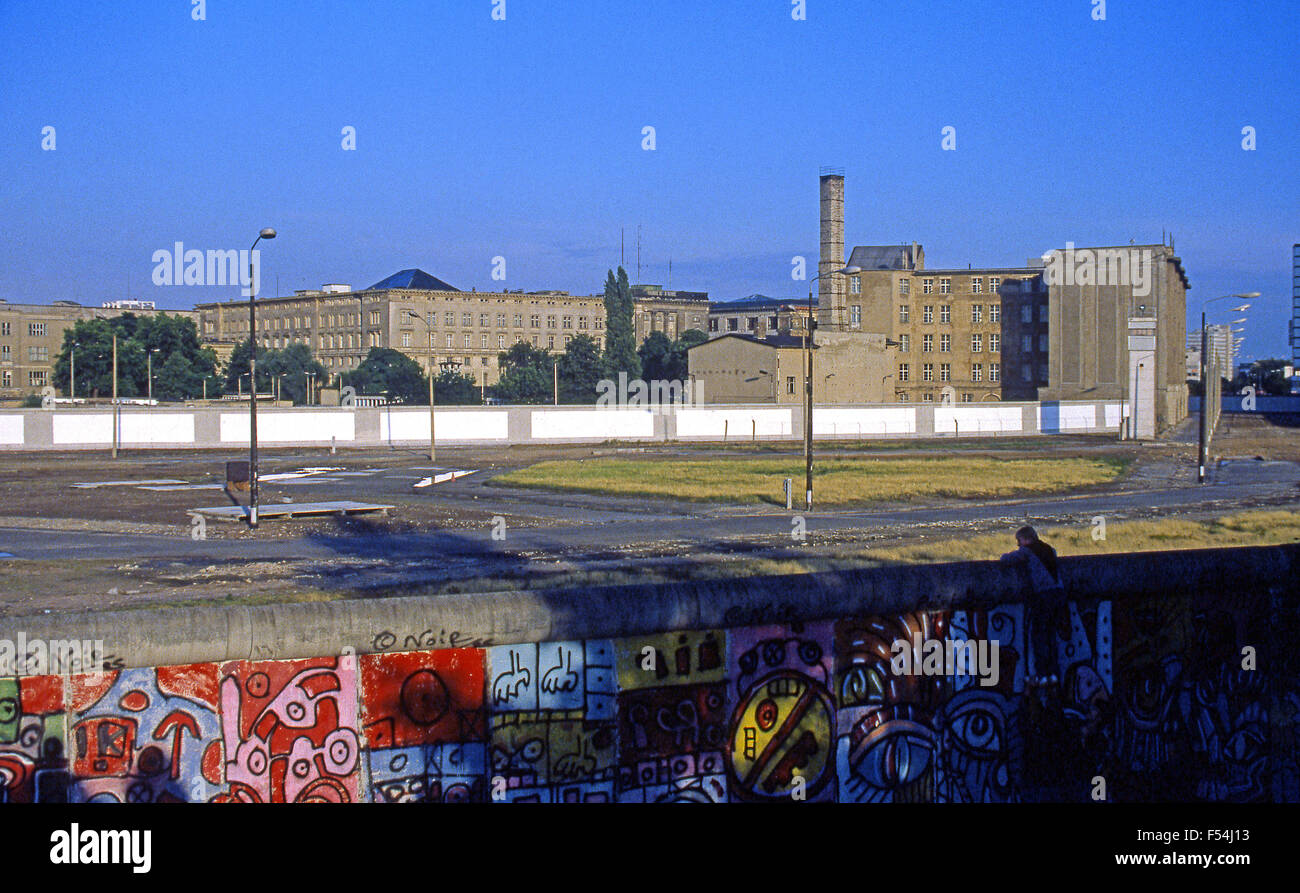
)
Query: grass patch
[
  {"x": 838, "y": 481},
  {"x": 1262, "y": 528}
]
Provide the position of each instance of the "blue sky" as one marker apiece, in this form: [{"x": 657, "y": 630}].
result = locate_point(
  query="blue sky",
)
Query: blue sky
[{"x": 523, "y": 139}]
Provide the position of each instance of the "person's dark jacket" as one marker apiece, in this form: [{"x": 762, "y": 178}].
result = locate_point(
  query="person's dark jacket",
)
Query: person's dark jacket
[{"x": 1040, "y": 560}]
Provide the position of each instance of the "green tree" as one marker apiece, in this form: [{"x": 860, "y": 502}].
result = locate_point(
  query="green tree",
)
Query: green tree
[
  {"x": 1267, "y": 376},
  {"x": 390, "y": 372},
  {"x": 171, "y": 336},
  {"x": 656, "y": 353},
  {"x": 237, "y": 366},
  {"x": 291, "y": 365},
  {"x": 452, "y": 388},
  {"x": 579, "y": 369},
  {"x": 526, "y": 374},
  {"x": 620, "y": 335}
]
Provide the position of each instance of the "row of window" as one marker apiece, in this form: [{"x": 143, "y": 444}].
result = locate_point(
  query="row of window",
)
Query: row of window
[
  {"x": 945, "y": 343},
  {"x": 34, "y": 329},
  {"x": 928, "y": 397},
  {"x": 37, "y": 378},
  {"x": 945, "y": 372},
  {"x": 927, "y": 285},
  {"x": 945, "y": 313}
]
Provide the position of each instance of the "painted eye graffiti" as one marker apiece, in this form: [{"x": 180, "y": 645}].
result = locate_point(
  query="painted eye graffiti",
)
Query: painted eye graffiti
[
  {"x": 979, "y": 733},
  {"x": 766, "y": 715}
]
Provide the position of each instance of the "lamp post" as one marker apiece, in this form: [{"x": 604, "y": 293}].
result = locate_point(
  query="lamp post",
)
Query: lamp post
[
  {"x": 1202, "y": 453},
  {"x": 266, "y": 233},
  {"x": 72, "y": 373},
  {"x": 412, "y": 314},
  {"x": 807, "y": 381},
  {"x": 116, "y": 409},
  {"x": 149, "y": 372}
]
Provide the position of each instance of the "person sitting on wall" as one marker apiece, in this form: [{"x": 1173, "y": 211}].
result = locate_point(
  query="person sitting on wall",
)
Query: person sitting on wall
[{"x": 1047, "y": 611}]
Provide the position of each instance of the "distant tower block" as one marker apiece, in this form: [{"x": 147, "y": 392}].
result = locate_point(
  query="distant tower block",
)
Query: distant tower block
[{"x": 831, "y": 303}]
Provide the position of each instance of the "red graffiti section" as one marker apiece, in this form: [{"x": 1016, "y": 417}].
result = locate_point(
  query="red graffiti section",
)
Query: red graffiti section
[{"x": 422, "y": 697}]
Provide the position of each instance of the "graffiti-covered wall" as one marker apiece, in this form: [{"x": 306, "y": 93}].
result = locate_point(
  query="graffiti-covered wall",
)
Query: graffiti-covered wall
[{"x": 1177, "y": 697}]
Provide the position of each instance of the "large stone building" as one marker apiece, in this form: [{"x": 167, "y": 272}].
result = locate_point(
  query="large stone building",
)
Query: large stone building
[
  {"x": 466, "y": 328},
  {"x": 758, "y": 316},
  {"x": 31, "y": 336}
]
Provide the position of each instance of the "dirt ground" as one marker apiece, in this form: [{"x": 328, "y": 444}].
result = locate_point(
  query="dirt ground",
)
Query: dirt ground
[{"x": 37, "y": 494}]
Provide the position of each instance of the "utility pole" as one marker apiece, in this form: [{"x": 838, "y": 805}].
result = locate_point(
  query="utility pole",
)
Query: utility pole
[{"x": 555, "y": 383}]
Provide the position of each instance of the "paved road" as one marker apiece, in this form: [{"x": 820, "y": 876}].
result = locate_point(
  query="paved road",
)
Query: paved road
[{"x": 586, "y": 525}]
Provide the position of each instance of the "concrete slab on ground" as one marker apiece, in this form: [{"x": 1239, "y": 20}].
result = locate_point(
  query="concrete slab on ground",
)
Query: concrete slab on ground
[{"x": 290, "y": 510}]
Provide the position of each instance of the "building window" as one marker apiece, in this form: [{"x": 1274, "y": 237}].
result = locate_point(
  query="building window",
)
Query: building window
[
  {"x": 995, "y": 283},
  {"x": 38, "y": 354},
  {"x": 451, "y": 319},
  {"x": 977, "y": 313},
  {"x": 976, "y": 372},
  {"x": 902, "y": 396},
  {"x": 774, "y": 323},
  {"x": 449, "y": 340},
  {"x": 1026, "y": 313},
  {"x": 4, "y": 352},
  {"x": 976, "y": 343},
  {"x": 1026, "y": 372},
  {"x": 568, "y": 322},
  {"x": 713, "y": 324},
  {"x": 582, "y": 323},
  {"x": 995, "y": 343},
  {"x": 733, "y": 323},
  {"x": 927, "y": 343},
  {"x": 535, "y": 320},
  {"x": 1042, "y": 313},
  {"x": 789, "y": 384},
  {"x": 4, "y": 329},
  {"x": 927, "y": 397},
  {"x": 945, "y": 372},
  {"x": 966, "y": 397},
  {"x": 36, "y": 329},
  {"x": 501, "y": 319},
  {"x": 751, "y": 324},
  {"x": 534, "y": 341},
  {"x": 945, "y": 286},
  {"x": 905, "y": 343},
  {"x": 1042, "y": 372},
  {"x": 406, "y": 339},
  {"x": 995, "y": 371},
  {"x": 927, "y": 372},
  {"x": 945, "y": 344},
  {"x": 903, "y": 314},
  {"x": 903, "y": 372},
  {"x": 1027, "y": 344},
  {"x": 374, "y": 317},
  {"x": 995, "y": 313},
  {"x": 855, "y": 316},
  {"x": 501, "y": 342},
  {"x": 976, "y": 285},
  {"x": 927, "y": 313},
  {"x": 904, "y": 286},
  {"x": 550, "y": 342},
  {"x": 927, "y": 286},
  {"x": 855, "y": 285},
  {"x": 484, "y": 341},
  {"x": 1042, "y": 343},
  {"x": 518, "y": 320},
  {"x": 945, "y": 313},
  {"x": 6, "y": 379},
  {"x": 550, "y": 322}
]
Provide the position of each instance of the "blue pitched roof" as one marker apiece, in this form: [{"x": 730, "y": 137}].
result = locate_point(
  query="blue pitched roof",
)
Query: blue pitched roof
[{"x": 415, "y": 279}]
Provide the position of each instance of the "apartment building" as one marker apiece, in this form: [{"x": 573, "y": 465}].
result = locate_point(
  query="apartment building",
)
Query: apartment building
[{"x": 758, "y": 316}]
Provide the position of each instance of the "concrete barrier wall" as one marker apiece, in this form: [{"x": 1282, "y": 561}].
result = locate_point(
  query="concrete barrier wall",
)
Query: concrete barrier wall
[
  {"x": 1179, "y": 682},
  {"x": 209, "y": 427}
]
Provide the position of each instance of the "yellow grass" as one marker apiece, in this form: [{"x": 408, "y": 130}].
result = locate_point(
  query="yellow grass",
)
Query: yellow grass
[
  {"x": 837, "y": 481},
  {"x": 1261, "y": 528}
]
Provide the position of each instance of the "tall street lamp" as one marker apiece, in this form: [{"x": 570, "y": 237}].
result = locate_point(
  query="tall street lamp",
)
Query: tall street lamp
[
  {"x": 413, "y": 315},
  {"x": 807, "y": 381},
  {"x": 267, "y": 233},
  {"x": 1202, "y": 453}
]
